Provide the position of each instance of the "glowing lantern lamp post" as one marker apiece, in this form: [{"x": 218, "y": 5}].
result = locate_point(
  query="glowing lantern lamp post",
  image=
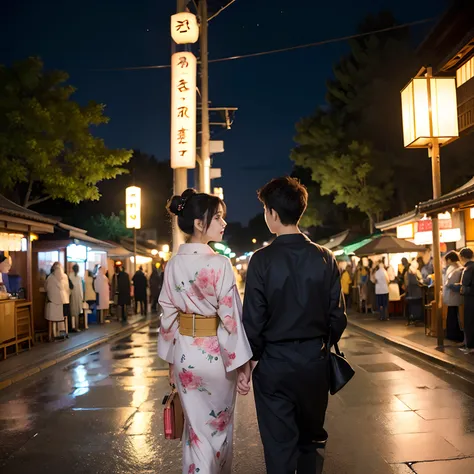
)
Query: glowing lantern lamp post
[
  {"x": 184, "y": 30},
  {"x": 133, "y": 205},
  {"x": 429, "y": 111}
]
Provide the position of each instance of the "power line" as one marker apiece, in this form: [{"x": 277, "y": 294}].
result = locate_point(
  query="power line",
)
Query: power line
[{"x": 284, "y": 50}]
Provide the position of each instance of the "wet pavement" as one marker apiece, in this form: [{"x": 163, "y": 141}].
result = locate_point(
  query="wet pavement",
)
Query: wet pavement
[{"x": 102, "y": 413}]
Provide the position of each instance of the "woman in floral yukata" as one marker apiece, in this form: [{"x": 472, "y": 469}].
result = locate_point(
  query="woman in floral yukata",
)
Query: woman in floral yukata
[{"x": 197, "y": 281}]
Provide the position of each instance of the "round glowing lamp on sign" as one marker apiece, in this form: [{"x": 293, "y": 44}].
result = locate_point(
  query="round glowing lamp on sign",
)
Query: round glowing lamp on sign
[
  {"x": 165, "y": 248},
  {"x": 184, "y": 28},
  {"x": 154, "y": 252}
]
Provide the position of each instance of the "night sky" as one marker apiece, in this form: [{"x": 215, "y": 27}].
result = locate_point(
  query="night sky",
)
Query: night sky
[{"x": 271, "y": 92}]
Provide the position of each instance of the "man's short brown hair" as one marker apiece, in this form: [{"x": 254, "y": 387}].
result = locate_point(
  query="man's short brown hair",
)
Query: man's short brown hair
[{"x": 287, "y": 196}]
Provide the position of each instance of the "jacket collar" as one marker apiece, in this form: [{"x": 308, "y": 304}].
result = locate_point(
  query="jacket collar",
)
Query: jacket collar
[
  {"x": 195, "y": 249},
  {"x": 291, "y": 239}
]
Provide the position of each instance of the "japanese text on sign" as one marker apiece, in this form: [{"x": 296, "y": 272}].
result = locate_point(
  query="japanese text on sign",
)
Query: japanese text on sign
[
  {"x": 133, "y": 207},
  {"x": 184, "y": 28},
  {"x": 183, "y": 110}
]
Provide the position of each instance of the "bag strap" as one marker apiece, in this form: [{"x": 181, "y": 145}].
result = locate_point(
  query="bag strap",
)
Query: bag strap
[{"x": 327, "y": 293}]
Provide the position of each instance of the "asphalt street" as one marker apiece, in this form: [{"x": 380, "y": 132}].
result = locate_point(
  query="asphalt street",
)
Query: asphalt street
[{"x": 102, "y": 413}]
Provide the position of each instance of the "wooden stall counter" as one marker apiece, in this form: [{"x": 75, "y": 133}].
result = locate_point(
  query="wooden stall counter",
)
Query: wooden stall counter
[{"x": 15, "y": 325}]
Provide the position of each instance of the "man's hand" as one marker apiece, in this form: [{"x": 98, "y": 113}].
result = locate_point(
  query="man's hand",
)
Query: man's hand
[
  {"x": 171, "y": 375},
  {"x": 243, "y": 379}
]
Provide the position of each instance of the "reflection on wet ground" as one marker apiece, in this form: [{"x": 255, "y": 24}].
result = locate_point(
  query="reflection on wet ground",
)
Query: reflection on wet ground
[{"x": 102, "y": 413}]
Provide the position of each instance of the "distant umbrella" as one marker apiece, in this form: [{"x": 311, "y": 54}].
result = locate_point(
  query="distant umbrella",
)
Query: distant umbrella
[{"x": 388, "y": 244}]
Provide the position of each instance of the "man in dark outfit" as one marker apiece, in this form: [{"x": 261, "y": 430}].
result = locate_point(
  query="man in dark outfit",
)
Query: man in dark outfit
[
  {"x": 140, "y": 284},
  {"x": 467, "y": 290},
  {"x": 123, "y": 291},
  {"x": 292, "y": 301}
]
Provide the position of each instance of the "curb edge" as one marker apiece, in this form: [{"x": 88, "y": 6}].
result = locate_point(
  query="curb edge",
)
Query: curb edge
[
  {"x": 32, "y": 370},
  {"x": 414, "y": 351}
]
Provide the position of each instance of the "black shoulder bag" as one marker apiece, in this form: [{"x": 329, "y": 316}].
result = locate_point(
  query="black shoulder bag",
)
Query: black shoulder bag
[{"x": 340, "y": 371}]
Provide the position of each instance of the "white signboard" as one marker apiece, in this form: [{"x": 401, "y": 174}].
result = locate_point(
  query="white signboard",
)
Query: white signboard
[
  {"x": 133, "y": 207},
  {"x": 183, "y": 110}
]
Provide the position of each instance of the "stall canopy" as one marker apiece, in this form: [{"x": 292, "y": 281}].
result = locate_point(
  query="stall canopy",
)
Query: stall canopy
[
  {"x": 357, "y": 244},
  {"x": 339, "y": 241},
  {"x": 18, "y": 218},
  {"x": 387, "y": 244}
]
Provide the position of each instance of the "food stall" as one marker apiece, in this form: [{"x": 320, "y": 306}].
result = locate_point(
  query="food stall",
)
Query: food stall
[
  {"x": 19, "y": 227},
  {"x": 391, "y": 250},
  {"x": 68, "y": 245}
]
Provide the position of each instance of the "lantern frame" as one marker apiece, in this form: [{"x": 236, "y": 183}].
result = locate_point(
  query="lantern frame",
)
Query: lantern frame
[{"x": 429, "y": 111}]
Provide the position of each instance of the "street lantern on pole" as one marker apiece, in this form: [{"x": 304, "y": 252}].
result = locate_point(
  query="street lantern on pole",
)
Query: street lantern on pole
[
  {"x": 429, "y": 112},
  {"x": 133, "y": 206},
  {"x": 184, "y": 30}
]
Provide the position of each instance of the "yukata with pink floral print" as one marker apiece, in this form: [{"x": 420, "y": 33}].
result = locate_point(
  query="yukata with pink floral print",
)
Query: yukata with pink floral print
[{"x": 199, "y": 281}]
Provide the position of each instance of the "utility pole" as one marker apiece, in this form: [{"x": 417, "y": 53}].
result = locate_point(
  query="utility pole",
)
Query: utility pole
[
  {"x": 134, "y": 250},
  {"x": 205, "y": 161},
  {"x": 180, "y": 175},
  {"x": 434, "y": 154}
]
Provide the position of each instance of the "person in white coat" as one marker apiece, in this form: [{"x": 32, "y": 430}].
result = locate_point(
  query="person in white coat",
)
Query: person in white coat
[
  {"x": 77, "y": 296},
  {"x": 102, "y": 289},
  {"x": 57, "y": 295}
]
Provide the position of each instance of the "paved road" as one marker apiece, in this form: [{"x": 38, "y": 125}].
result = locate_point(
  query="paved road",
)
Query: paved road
[{"x": 101, "y": 414}]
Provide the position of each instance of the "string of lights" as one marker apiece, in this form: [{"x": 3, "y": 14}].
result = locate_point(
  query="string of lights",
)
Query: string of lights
[{"x": 284, "y": 50}]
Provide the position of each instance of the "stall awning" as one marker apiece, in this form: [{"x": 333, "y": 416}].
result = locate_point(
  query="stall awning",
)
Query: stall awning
[
  {"x": 460, "y": 197},
  {"x": 352, "y": 247},
  {"x": 407, "y": 218},
  {"x": 19, "y": 218},
  {"x": 463, "y": 196},
  {"x": 80, "y": 234},
  {"x": 387, "y": 244},
  {"x": 335, "y": 240}
]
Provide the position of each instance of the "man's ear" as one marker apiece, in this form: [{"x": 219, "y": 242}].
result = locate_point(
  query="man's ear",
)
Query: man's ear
[{"x": 275, "y": 216}]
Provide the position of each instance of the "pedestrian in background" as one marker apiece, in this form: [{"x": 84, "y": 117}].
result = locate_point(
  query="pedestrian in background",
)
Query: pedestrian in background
[
  {"x": 77, "y": 297},
  {"x": 381, "y": 280},
  {"x": 414, "y": 293},
  {"x": 403, "y": 268},
  {"x": 346, "y": 282},
  {"x": 89, "y": 293},
  {"x": 371, "y": 297},
  {"x": 57, "y": 294},
  {"x": 124, "y": 291},
  {"x": 101, "y": 285},
  {"x": 452, "y": 298},
  {"x": 140, "y": 284},
  {"x": 155, "y": 288},
  {"x": 467, "y": 290}
]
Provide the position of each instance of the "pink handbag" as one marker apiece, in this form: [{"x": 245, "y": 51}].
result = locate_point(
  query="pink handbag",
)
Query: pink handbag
[{"x": 173, "y": 417}]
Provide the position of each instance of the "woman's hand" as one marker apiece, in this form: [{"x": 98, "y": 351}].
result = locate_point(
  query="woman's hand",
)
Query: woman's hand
[
  {"x": 171, "y": 375},
  {"x": 243, "y": 379}
]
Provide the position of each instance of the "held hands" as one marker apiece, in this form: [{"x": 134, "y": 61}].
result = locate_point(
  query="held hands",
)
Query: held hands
[{"x": 243, "y": 378}]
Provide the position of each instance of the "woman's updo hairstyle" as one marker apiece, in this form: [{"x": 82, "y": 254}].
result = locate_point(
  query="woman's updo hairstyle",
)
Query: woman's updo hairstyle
[{"x": 192, "y": 205}]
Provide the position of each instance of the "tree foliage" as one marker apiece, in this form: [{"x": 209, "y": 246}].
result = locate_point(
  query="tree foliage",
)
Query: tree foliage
[
  {"x": 353, "y": 145},
  {"x": 47, "y": 150},
  {"x": 156, "y": 181},
  {"x": 111, "y": 227}
]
